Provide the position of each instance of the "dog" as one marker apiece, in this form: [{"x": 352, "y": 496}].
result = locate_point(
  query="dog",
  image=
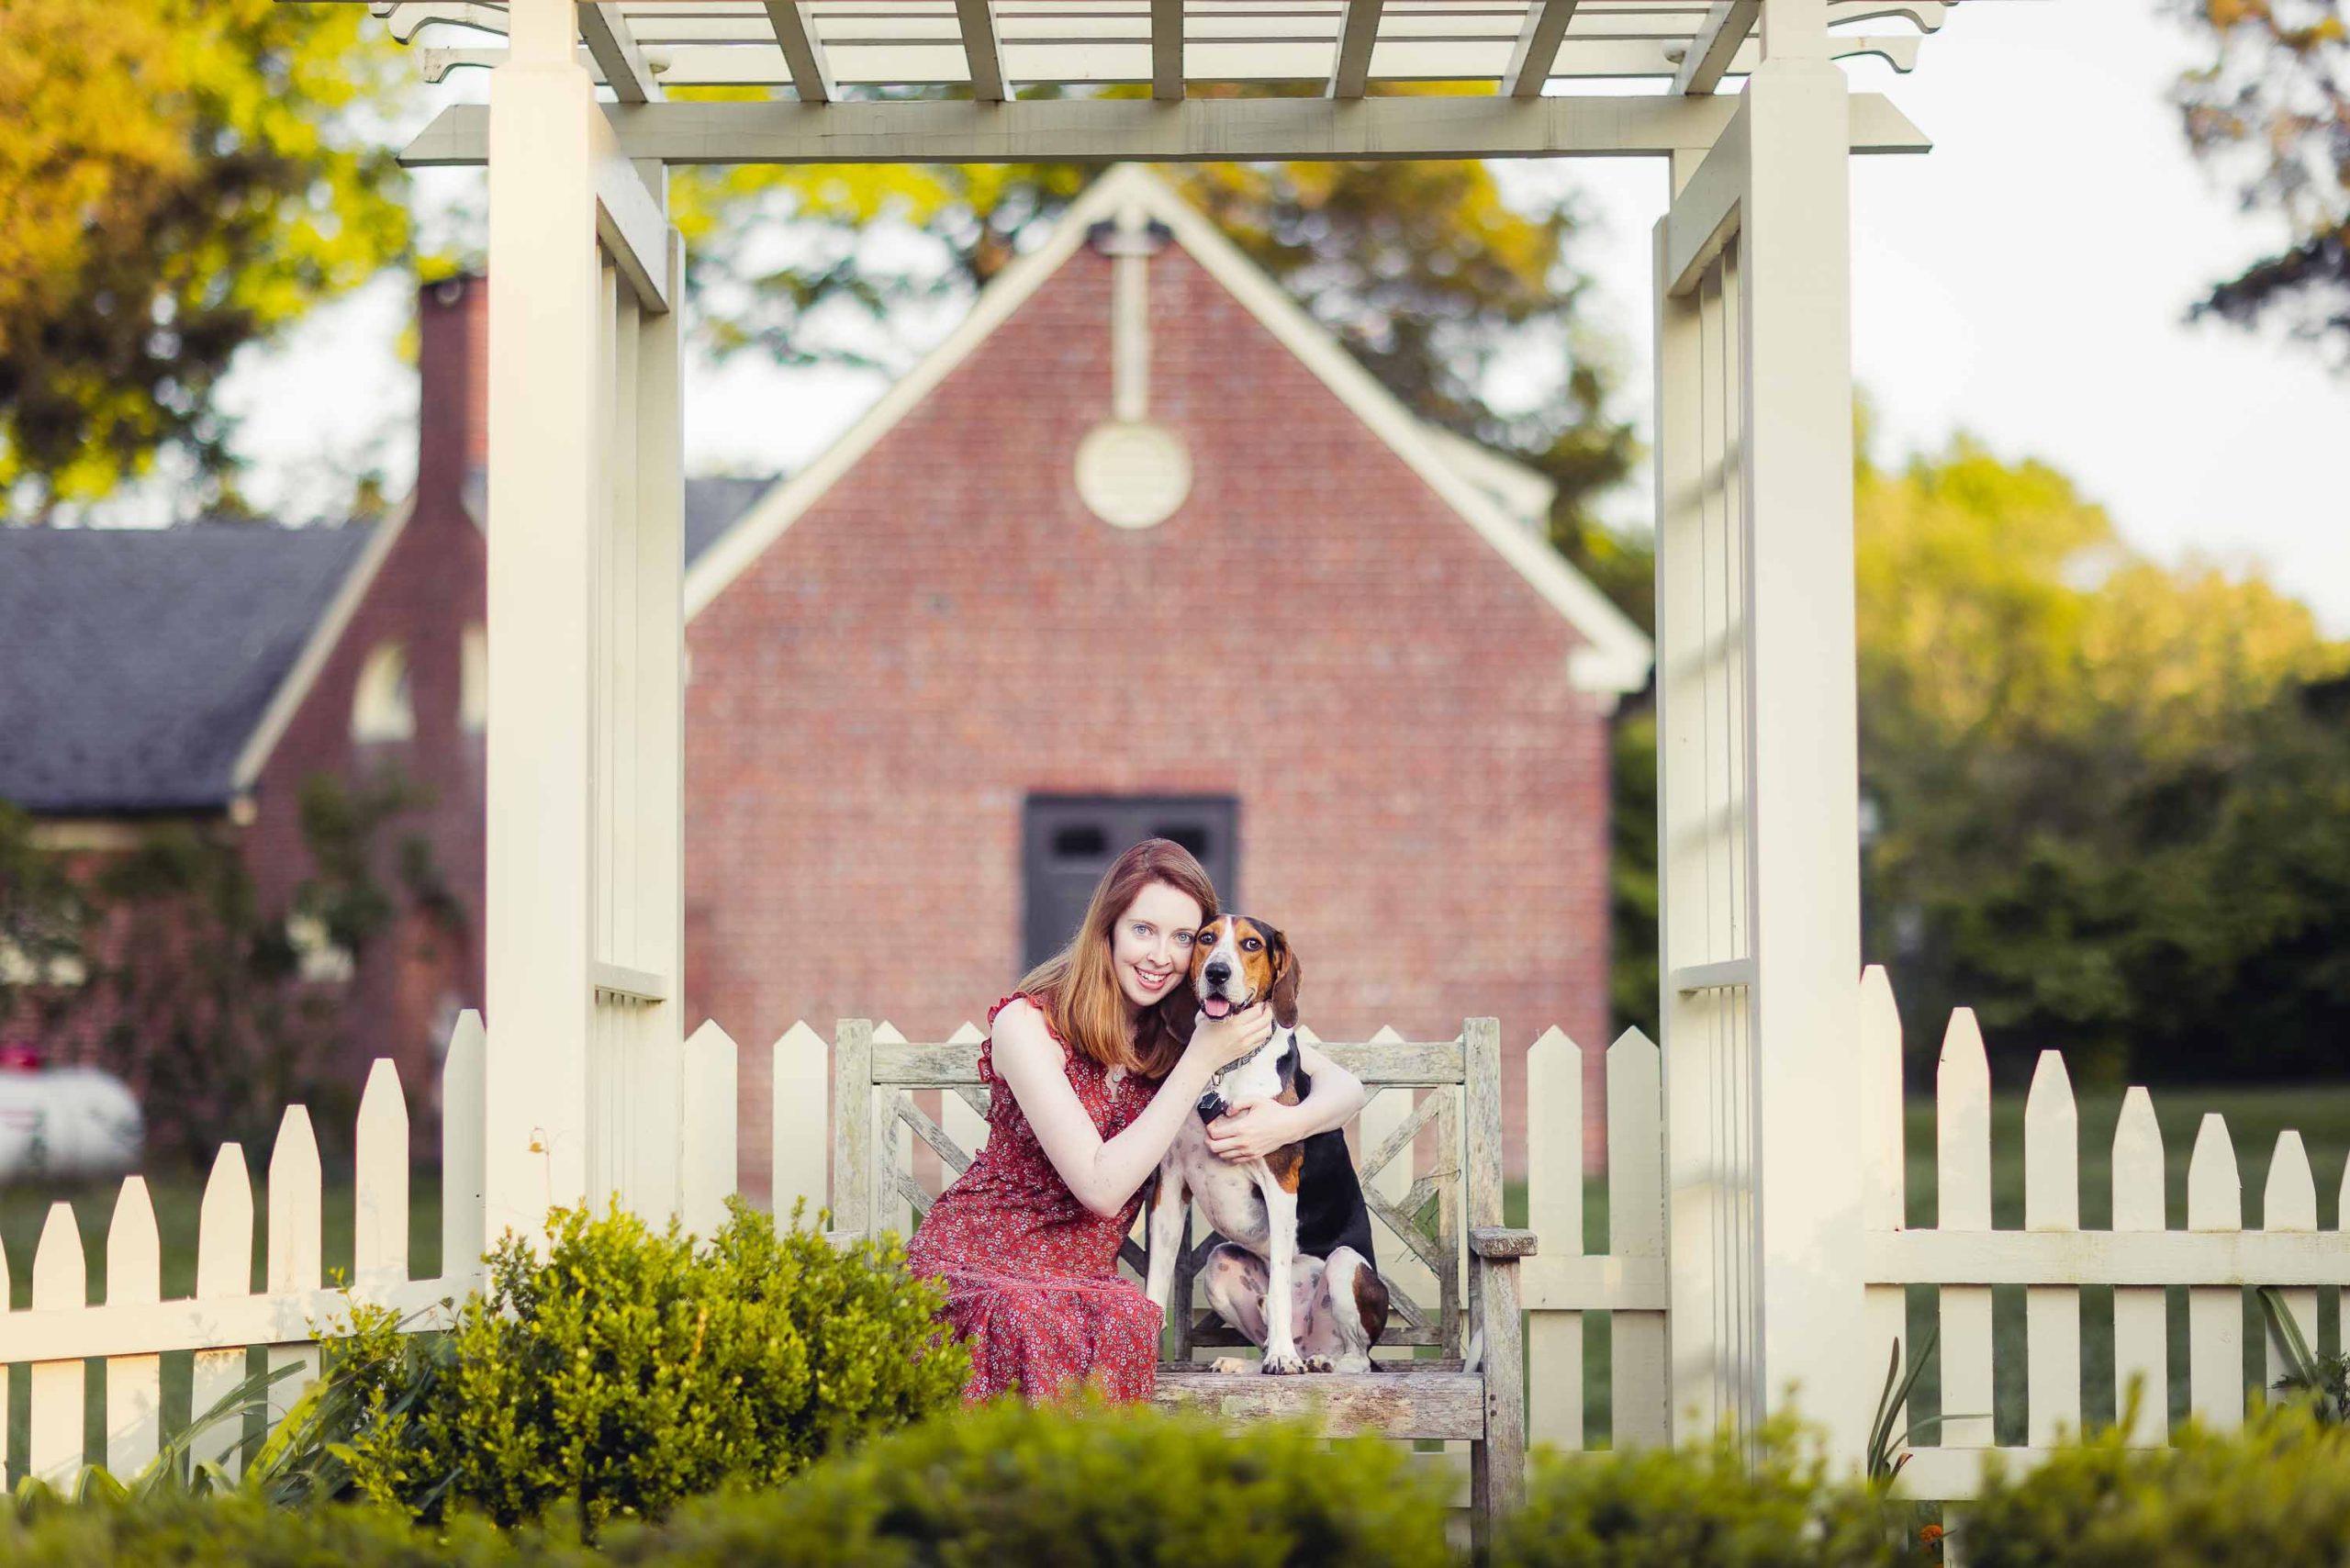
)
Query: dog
[{"x": 1294, "y": 1273}]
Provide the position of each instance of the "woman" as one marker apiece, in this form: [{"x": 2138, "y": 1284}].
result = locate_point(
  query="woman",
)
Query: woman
[{"x": 1094, "y": 1064}]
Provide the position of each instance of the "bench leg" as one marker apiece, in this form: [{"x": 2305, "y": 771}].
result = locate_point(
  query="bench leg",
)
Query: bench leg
[{"x": 1497, "y": 1464}]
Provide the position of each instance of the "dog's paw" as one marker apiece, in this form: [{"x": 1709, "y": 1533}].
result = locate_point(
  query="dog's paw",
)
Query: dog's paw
[
  {"x": 1286, "y": 1364},
  {"x": 1229, "y": 1366},
  {"x": 1320, "y": 1365}
]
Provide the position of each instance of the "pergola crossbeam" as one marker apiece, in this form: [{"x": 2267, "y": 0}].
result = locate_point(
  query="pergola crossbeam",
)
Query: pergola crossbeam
[
  {"x": 1537, "y": 48},
  {"x": 1715, "y": 45},
  {"x": 1358, "y": 36},
  {"x": 983, "y": 47},
  {"x": 804, "y": 56},
  {"x": 622, "y": 63},
  {"x": 1166, "y": 51},
  {"x": 1137, "y": 131}
]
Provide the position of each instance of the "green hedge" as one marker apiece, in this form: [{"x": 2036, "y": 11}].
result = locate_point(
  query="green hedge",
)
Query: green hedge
[
  {"x": 2276, "y": 1494},
  {"x": 1044, "y": 1489},
  {"x": 1704, "y": 1504},
  {"x": 176, "y": 1531}
]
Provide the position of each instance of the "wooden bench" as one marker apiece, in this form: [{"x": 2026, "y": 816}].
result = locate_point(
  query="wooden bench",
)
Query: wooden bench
[{"x": 1445, "y": 1228}]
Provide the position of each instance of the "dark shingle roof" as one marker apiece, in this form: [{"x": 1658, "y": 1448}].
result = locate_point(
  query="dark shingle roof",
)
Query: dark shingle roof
[
  {"x": 713, "y": 506},
  {"x": 135, "y": 663}
]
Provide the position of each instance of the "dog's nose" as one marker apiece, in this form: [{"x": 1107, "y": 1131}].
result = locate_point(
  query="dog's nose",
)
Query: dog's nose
[
  {"x": 1211, "y": 1105},
  {"x": 1218, "y": 972}
]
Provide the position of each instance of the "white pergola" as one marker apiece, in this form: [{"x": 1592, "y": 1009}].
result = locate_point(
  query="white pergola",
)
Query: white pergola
[{"x": 588, "y": 1071}]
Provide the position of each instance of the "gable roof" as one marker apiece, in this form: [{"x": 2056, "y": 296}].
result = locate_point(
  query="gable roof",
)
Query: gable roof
[
  {"x": 1616, "y": 655},
  {"x": 152, "y": 671},
  {"x": 135, "y": 662}
]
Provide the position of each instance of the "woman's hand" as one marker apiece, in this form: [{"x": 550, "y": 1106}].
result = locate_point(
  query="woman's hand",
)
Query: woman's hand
[
  {"x": 1219, "y": 1042},
  {"x": 1253, "y": 1129}
]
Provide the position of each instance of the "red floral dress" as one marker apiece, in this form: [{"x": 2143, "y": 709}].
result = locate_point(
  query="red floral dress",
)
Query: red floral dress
[{"x": 1031, "y": 1274}]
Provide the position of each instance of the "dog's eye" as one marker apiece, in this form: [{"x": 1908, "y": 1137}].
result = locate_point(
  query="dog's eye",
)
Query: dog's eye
[{"x": 1252, "y": 944}]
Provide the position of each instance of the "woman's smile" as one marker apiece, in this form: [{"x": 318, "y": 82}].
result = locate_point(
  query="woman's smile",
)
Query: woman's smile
[{"x": 1153, "y": 980}]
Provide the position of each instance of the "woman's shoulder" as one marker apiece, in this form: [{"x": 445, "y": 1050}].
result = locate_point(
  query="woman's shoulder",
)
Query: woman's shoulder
[{"x": 1018, "y": 1024}]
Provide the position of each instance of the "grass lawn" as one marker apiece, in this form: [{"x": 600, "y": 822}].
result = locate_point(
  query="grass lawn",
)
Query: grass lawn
[{"x": 2254, "y": 1116}]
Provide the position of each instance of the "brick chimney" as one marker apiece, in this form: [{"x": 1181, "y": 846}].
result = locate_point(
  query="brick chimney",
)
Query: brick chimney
[{"x": 452, "y": 426}]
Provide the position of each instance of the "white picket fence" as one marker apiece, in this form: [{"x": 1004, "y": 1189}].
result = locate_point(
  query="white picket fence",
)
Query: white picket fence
[
  {"x": 135, "y": 1326},
  {"x": 2213, "y": 1258}
]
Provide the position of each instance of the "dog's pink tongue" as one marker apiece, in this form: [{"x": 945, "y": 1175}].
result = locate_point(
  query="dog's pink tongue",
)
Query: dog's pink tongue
[{"x": 1216, "y": 1006}]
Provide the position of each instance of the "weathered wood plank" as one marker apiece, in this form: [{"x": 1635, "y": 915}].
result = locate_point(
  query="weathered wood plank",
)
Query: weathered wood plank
[
  {"x": 1497, "y": 1468},
  {"x": 1500, "y": 1241},
  {"x": 946, "y": 1064},
  {"x": 853, "y": 1054},
  {"x": 1409, "y": 1402}
]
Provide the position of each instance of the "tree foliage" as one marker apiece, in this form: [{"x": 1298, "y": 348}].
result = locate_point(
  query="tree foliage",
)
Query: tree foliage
[
  {"x": 2271, "y": 112},
  {"x": 181, "y": 178},
  {"x": 2113, "y": 797}
]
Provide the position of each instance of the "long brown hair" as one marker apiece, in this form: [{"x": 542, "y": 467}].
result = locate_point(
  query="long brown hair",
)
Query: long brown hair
[{"x": 1077, "y": 988}]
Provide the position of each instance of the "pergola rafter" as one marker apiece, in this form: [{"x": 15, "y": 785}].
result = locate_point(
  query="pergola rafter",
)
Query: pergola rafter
[
  {"x": 803, "y": 57},
  {"x": 620, "y": 63},
  {"x": 987, "y": 49},
  {"x": 1757, "y": 756}
]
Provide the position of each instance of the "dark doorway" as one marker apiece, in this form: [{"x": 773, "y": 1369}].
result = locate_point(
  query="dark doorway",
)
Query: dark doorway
[{"x": 1068, "y": 841}]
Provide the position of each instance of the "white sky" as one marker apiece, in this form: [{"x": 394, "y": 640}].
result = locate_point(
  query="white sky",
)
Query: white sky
[{"x": 2026, "y": 281}]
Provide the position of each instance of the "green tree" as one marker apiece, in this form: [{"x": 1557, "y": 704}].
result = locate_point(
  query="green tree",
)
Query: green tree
[
  {"x": 2108, "y": 792},
  {"x": 181, "y": 178},
  {"x": 2271, "y": 111}
]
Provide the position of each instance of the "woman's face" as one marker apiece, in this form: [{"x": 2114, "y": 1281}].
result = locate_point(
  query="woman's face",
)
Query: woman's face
[{"x": 1150, "y": 946}]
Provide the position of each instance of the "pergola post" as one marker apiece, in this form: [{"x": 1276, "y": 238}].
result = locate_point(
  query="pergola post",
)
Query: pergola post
[
  {"x": 583, "y": 942},
  {"x": 1757, "y": 811}
]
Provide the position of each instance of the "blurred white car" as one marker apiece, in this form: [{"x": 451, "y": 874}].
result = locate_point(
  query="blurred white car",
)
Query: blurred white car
[{"x": 66, "y": 1121}]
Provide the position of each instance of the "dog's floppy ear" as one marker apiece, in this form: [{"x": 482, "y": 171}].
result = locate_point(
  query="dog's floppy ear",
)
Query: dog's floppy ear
[{"x": 1285, "y": 978}]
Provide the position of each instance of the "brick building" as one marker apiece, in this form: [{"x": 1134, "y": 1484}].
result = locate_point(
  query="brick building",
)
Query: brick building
[
  {"x": 934, "y": 690},
  {"x": 1137, "y": 549}
]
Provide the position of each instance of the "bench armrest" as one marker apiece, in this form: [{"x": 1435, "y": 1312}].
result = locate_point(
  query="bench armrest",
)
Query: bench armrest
[{"x": 1495, "y": 1241}]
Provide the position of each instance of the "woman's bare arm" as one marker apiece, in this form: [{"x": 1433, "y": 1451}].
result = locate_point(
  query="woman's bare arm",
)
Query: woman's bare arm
[
  {"x": 1256, "y": 1127},
  {"x": 1103, "y": 1173}
]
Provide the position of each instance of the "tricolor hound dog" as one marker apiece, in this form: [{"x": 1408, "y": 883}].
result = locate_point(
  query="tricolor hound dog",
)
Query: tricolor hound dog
[{"x": 1294, "y": 1273}]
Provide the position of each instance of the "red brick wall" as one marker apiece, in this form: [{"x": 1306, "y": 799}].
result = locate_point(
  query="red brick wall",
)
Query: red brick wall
[
  {"x": 1422, "y": 791},
  {"x": 430, "y": 587}
]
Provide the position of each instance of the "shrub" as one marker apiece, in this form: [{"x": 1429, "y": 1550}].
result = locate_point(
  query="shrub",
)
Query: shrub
[
  {"x": 624, "y": 1371},
  {"x": 2274, "y": 1494},
  {"x": 1043, "y": 1488},
  {"x": 169, "y": 1531},
  {"x": 1705, "y": 1505}
]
